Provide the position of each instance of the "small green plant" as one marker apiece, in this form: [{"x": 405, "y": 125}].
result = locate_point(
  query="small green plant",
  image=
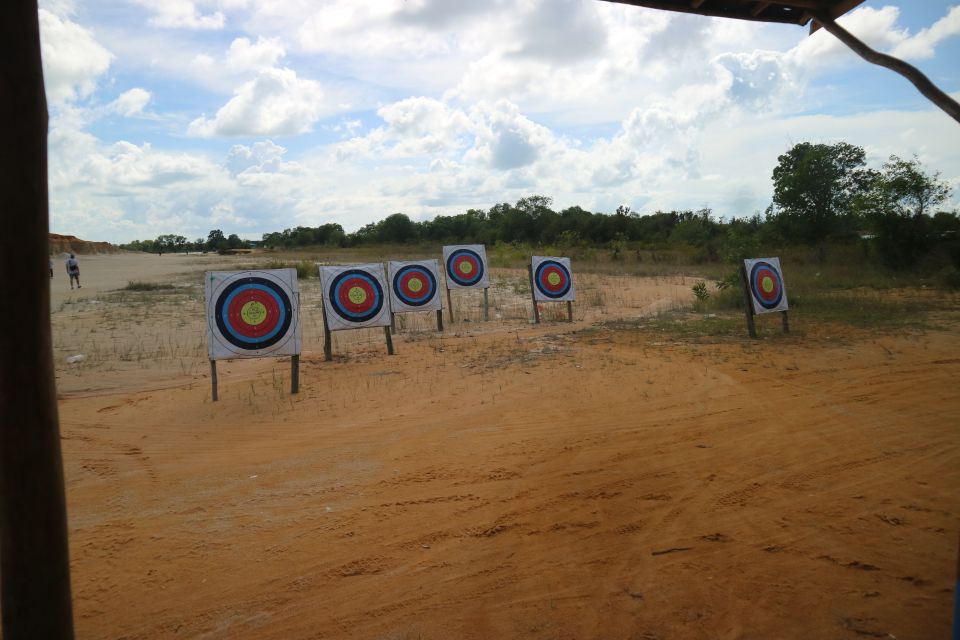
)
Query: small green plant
[{"x": 700, "y": 291}]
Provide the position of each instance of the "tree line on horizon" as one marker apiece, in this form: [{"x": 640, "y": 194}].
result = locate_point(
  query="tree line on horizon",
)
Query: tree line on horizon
[{"x": 823, "y": 194}]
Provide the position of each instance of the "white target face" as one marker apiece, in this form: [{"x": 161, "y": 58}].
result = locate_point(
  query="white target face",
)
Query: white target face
[
  {"x": 552, "y": 279},
  {"x": 355, "y": 296},
  {"x": 765, "y": 281},
  {"x": 465, "y": 266},
  {"x": 415, "y": 286},
  {"x": 252, "y": 314}
]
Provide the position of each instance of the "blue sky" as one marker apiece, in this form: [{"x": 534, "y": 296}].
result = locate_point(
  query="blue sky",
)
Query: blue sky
[{"x": 252, "y": 116}]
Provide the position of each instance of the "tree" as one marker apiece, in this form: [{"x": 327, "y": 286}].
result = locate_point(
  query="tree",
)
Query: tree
[
  {"x": 396, "y": 228},
  {"x": 813, "y": 188},
  {"x": 899, "y": 205},
  {"x": 216, "y": 240}
]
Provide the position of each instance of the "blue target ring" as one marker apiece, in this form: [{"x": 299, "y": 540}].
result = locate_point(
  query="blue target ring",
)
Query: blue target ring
[
  {"x": 406, "y": 293},
  {"x": 272, "y": 323},
  {"x": 465, "y": 267},
  {"x": 356, "y": 296},
  {"x": 766, "y": 285},
  {"x": 548, "y": 288}
]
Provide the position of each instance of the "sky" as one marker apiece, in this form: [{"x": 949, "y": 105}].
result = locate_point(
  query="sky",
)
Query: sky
[{"x": 252, "y": 116}]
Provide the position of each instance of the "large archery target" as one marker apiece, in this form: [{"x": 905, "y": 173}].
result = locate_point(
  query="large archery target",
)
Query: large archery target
[
  {"x": 765, "y": 280},
  {"x": 355, "y": 296},
  {"x": 252, "y": 314},
  {"x": 552, "y": 279},
  {"x": 465, "y": 266},
  {"x": 414, "y": 286}
]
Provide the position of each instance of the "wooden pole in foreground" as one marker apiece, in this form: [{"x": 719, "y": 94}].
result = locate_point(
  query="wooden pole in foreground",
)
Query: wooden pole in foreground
[
  {"x": 533, "y": 295},
  {"x": 386, "y": 332},
  {"x": 34, "y": 555},
  {"x": 213, "y": 380},
  {"x": 393, "y": 322},
  {"x": 295, "y": 374},
  {"x": 450, "y": 305},
  {"x": 956, "y": 598},
  {"x": 569, "y": 311},
  {"x": 747, "y": 302},
  {"x": 439, "y": 319},
  {"x": 327, "y": 340},
  {"x": 486, "y": 305},
  {"x": 786, "y": 322}
]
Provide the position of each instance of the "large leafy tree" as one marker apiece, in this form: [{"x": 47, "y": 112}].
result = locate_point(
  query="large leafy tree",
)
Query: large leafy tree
[
  {"x": 899, "y": 206},
  {"x": 813, "y": 188}
]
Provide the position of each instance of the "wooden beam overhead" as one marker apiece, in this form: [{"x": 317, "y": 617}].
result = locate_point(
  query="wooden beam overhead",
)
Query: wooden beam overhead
[{"x": 780, "y": 11}]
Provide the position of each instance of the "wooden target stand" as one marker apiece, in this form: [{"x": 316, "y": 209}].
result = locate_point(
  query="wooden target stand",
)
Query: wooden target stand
[
  {"x": 533, "y": 299},
  {"x": 393, "y": 321},
  {"x": 291, "y": 330},
  {"x": 328, "y": 339},
  {"x": 486, "y": 305},
  {"x": 294, "y": 377},
  {"x": 748, "y": 306}
]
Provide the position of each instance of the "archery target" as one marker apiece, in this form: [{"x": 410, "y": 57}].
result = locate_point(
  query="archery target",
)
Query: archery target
[
  {"x": 466, "y": 266},
  {"x": 252, "y": 314},
  {"x": 765, "y": 280},
  {"x": 552, "y": 279},
  {"x": 414, "y": 286},
  {"x": 355, "y": 296}
]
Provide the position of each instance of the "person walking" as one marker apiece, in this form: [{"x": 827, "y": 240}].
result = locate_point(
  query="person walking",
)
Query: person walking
[{"x": 73, "y": 270}]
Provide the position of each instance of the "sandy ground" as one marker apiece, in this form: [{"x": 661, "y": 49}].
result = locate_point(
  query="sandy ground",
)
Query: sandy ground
[{"x": 503, "y": 480}]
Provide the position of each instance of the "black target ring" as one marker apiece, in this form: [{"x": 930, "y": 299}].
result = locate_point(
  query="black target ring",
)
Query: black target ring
[
  {"x": 766, "y": 285},
  {"x": 465, "y": 267},
  {"x": 277, "y": 313},
  {"x": 367, "y": 301},
  {"x": 556, "y": 286},
  {"x": 404, "y": 289}
]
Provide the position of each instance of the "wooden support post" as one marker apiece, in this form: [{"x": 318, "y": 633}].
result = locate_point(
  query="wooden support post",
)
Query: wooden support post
[
  {"x": 213, "y": 380},
  {"x": 533, "y": 295},
  {"x": 786, "y": 322},
  {"x": 439, "y": 319},
  {"x": 295, "y": 374},
  {"x": 327, "y": 340},
  {"x": 34, "y": 556},
  {"x": 747, "y": 302},
  {"x": 386, "y": 332},
  {"x": 569, "y": 311},
  {"x": 393, "y": 323},
  {"x": 450, "y": 306},
  {"x": 486, "y": 305}
]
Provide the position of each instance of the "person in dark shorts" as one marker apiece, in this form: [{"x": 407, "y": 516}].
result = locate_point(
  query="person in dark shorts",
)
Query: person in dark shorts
[{"x": 73, "y": 270}]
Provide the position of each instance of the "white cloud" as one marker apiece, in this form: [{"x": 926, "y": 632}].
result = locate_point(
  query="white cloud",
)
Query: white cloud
[
  {"x": 276, "y": 103},
  {"x": 922, "y": 45},
  {"x": 181, "y": 14},
  {"x": 244, "y": 56},
  {"x": 131, "y": 103},
  {"x": 72, "y": 58}
]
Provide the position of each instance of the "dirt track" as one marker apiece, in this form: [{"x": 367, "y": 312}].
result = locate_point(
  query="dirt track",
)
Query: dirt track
[{"x": 525, "y": 482}]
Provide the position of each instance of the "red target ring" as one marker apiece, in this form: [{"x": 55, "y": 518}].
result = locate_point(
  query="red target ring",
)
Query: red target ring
[
  {"x": 356, "y": 295},
  {"x": 253, "y": 313}
]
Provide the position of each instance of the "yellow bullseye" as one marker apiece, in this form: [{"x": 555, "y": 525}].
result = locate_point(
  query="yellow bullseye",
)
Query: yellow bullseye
[
  {"x": 767, "y": 284},
  {"x": 553, "y": 278},
  {"x": 253, "y": 313},
  {"x": 357, "y": 295},
  {"x": 415, "y": 284},
  {"x": 465, "y": 267}
]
